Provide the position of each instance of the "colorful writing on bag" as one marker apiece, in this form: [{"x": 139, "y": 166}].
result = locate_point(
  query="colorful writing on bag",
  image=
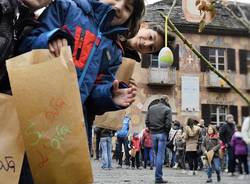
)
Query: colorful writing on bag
[
  {"x": 49, "y": 133},
  {"x": 43, "y": 159},
  {"x": 59, "y": 137}
]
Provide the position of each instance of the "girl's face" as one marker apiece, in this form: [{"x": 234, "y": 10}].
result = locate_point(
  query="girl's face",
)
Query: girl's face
[
  {"x": 146, "y": 41},
  {"x": 210, "y": 130},
  {"x": 123, "y": 8}
]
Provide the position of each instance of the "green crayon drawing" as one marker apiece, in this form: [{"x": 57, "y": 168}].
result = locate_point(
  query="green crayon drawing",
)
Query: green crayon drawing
[
  {"x": 59, "y": 137},
  {"x": 30, "y": 131}
]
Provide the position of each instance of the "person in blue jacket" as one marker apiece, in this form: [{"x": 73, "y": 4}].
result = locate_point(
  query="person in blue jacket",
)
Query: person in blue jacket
[{"x": 122, "y": 139}]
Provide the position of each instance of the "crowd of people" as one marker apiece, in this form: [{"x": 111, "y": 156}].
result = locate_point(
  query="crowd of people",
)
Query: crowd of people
[
  {"x": 189, "y": 146},
  {"x": 99, "y": 32}
]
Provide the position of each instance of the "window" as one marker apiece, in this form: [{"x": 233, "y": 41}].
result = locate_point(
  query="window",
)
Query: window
[
  {"x": 154, "y": 61},
  {"x": 248, "y": 56},
  {"x": 218, "y": 114},
  {"x": 245, "y": 112},
  {"x": 248, "y": 62},
  {"x": 217, "y": 58}
]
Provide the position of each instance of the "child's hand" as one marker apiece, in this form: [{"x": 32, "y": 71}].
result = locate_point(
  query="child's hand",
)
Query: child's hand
[
  {"x": 123, "y": 97},
  {"x": 56, "y": 45},
  {"x": 132, "y": 83}
]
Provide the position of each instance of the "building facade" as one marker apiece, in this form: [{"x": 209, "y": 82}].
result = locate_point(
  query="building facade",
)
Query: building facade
[{"x": 193, "y": 90}]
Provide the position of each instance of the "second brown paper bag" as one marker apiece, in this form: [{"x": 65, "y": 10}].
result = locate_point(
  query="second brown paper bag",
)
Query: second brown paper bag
[
  {"x": 11, "y": 142},
  {"x": 113, "y": 120},
  {"x": 48, "y": 104}
]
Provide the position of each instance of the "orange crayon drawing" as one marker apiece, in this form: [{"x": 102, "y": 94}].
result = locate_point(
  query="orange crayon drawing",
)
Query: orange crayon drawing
[
  {"x": 44, "y": 160},
  {"x": 56, "y": 104}
]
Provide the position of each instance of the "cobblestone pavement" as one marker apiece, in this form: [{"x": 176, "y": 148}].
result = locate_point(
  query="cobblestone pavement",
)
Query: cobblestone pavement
[{"x": 146, "y": 176}]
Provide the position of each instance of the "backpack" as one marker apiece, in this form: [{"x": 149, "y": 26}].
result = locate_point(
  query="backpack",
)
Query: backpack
[
  {"x": 7, "y": 16},
  {"x": 122, "y": 133}
]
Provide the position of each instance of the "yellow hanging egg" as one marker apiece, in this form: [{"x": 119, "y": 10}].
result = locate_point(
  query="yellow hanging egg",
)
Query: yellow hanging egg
[{"x": 165, "y": 57}]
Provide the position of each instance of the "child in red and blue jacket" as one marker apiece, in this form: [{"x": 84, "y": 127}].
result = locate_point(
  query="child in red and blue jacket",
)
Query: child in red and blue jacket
[
  {"x": 92, "y": 29},
  {"x": 136, "y": 145},
  {"x": 147, "y": 143}
]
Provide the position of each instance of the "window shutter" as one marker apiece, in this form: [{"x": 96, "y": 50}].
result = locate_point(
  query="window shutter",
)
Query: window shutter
[
  {"x": 205, "y": 52},
  {"x": 234, "y": 111},
  {"x": 205, "y": 113},
  {"x": 231, "y": 59},
  {"x": 146, "y": 60},
  {"x": 243, "y": 61},
  {"x": 176, "y": 57},
  {"x": 245, "y": 111}
]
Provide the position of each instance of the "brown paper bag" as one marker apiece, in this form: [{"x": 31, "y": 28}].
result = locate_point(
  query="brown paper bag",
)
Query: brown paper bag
[
  {"x": 11, "y": 142},
  {"x": 210, "y": 155},
  {"x": 48, "y": 104},
  {"x": 132, "y": 152},
  {"x": 125, "y": 70},
  {"x": 113, "y": 120},
  {"x": 110, "y": 120}
]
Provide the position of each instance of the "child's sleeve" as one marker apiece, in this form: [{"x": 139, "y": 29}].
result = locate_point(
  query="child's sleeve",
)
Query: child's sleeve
[
  {"x": 100, "y": 99},
  {"x": 217, "y": 147},
  {"x": 51, "y": 22}
]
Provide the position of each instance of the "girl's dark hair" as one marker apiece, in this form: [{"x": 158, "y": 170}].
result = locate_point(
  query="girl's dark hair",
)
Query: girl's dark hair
[
  {"x": 190, "y": 122},
  {"x": 133, "y": 23}
]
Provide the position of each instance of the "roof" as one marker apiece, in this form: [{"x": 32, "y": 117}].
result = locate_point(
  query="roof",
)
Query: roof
[{"x": 223, "y": 24}]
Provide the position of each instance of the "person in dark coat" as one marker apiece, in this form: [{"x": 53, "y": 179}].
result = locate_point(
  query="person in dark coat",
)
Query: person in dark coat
[
  {"x": 16, "y": 21},
  {"x": 226, "y": 132},
  {"x": 158, "y": 120}
]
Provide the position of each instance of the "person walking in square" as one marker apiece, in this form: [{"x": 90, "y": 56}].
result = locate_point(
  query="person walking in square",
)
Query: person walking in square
[
  {"x": 211, "y": 144},
  {"x": 158, "y": 120}
]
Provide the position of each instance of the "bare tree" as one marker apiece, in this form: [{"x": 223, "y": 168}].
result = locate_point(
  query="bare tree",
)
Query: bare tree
[{"x": 208, "y": 8}]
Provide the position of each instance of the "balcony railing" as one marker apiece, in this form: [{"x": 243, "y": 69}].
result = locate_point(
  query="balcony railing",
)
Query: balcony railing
[
  {"x": 213, "y": 81},
  {"x": 162, "y": 76}
]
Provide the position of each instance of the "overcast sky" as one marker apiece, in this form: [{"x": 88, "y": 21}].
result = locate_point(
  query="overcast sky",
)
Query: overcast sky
[{"x": 153, "y": 1}]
